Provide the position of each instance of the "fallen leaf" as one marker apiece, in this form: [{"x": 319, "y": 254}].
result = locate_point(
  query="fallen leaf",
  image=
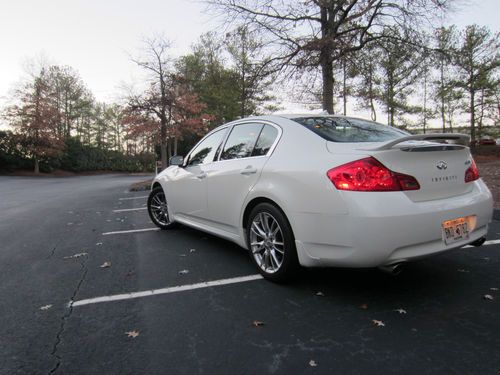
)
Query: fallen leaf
[
  {"x": 182, "y": 255},
  {"x": 313, "y": 363},
  {"x": 364, "y": 306},
  {"x": 401, "y": 311},
  {"x": 76, "y": 255},
  {"x": 192, "y": 250},
  {"x": 257, "y": 323},
  {"x": 105, "y": 265},
  {"x": 99, "y": 244},
  {"x": 378, "y": 323},
  {"x": 488, "y": 297},
  {"x": 320, "y": 294},
  {"x": 46, "y": 307},
  {"x": 463, "y": 271},
  {"x": 132, "y": 334},
  {"x": 183, "y": 272},
  {"x": 494, "y": 289}
]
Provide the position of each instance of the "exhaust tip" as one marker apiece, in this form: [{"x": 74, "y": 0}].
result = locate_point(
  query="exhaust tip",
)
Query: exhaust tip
[
  {"x": 478, "y": 242},
  {"x": 392, "y": 269}
]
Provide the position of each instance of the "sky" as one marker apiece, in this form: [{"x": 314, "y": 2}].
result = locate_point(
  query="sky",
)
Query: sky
[{"x": 97, "y": 37}]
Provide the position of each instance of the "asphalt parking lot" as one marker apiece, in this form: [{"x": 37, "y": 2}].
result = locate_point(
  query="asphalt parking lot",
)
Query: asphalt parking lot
[{"x": 196, "y": 306}]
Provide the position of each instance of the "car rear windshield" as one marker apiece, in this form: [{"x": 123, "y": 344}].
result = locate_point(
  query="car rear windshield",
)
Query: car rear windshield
[{"x": 346, "y": 129}]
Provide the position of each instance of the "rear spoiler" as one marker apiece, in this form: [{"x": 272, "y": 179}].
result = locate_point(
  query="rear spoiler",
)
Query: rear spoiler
[{"x": 421, "y": 137}]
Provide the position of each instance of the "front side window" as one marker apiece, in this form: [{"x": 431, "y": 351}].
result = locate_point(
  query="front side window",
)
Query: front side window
[
  {"x": 204, "y": 152},
  {"x": 241, "y": 141},
  {"x": 347, "y": 129}
]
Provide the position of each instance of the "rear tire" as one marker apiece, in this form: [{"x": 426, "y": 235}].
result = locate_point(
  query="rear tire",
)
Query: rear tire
[
  {"x": 271, "y": 243},
  {"x": 158, "y": 209}
]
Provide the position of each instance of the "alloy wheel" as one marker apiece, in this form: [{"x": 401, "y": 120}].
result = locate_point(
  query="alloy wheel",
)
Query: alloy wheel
[
  {"x": 159, "y": 208},
  {"x": 267, "y": 242}
]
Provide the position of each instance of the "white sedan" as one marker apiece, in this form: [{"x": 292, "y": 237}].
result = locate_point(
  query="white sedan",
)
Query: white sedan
[{"x": 319, "y": 191}]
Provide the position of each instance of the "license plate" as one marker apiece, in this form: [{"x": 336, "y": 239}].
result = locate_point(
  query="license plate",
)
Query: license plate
[{"x": 456, "y": 230}]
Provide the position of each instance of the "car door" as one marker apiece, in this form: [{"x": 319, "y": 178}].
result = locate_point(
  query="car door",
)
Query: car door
[
  {"x": 187, "y": 184},
  {"x": 236, "y": 170}
]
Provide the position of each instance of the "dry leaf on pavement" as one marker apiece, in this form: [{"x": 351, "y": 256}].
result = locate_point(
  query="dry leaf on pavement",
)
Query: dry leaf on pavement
[
  {"x": 378, "y": 323},
  {"x": 105, "y": 265},
  {"x": 364, "y": 306},
  {"x": 320, "y": 294},
  {"x": 183, "y": 272},
  {"x": 494, "y": 289},
  {"x": 401, "y": 311},
  {"x": 488, "y": 297},
  {"x": 257, "y": 323},
  {"x": 46, "y": 307},
  {"x": 132, "y": 334},
  {"x": 312, "y": 363}
]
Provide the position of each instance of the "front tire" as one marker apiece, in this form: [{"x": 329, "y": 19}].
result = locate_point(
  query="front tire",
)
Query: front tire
[
  {"x": 271, "y": 243},
  {"x": 158, "y": 209}
]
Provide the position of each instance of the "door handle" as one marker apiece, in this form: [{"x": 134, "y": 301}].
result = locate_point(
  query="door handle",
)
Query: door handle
[
  {"x": 202, "y": 175},
  {"x": 248, "y": 171}
]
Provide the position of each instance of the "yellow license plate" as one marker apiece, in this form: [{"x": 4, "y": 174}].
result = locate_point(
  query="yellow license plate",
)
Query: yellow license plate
[{"x": 457, "y": 229}]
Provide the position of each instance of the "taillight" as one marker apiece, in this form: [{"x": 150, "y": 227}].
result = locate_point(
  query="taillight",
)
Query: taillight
[
  {"x": 370, "y": 175},
  {"x": 472, "y": 173}
]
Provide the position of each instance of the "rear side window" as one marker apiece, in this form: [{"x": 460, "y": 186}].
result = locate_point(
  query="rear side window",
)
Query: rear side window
[
  {"x": 266, "y": 139},
  {"x": 346, "y": 129},
  {"x": 241, "y": 141}
]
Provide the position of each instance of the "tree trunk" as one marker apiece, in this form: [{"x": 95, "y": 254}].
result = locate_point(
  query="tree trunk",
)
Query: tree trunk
[
  {"x": 327, "y": 72},
  {"x": 326, "y": 63},
  {"x": 344, "y": 88},
  {"x": 37, "y": 166},
  {"x": 443, "y": 117},
  {"x": 425, "y": 100},
  {"x": 472, "y": 117},
  {"x": 481, "y": 115},
  {"x": 163, "y": 146}
]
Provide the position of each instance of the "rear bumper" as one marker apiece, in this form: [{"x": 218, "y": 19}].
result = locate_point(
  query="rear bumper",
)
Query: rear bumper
[{"x": 386, "y": 230}]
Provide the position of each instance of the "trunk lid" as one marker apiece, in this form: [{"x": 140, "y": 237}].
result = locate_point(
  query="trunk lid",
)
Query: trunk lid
[{"x": 438, "y": 168}]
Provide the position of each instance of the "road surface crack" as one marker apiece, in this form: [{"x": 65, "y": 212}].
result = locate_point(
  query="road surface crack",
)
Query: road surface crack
[{"x": 66, "y": 316}]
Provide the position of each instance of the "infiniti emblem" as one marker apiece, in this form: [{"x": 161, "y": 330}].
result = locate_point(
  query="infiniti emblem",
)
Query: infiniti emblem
[{"x": 441, "y": 165}]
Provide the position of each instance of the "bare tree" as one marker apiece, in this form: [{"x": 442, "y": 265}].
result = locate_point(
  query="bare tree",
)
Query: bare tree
[
  {"x": 477, "y": 57},
  {"x": 317, "y": 33},
  {"x": 158, "y": 98}
]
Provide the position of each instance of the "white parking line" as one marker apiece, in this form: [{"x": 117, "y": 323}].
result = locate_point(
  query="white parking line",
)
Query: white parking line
[
  {"x": 172, "y": 289},
  {"x": 126, "y": 199},
  {"x": 492, "y": 242},
  {"x": 131, "y": 209},
  {"x": 131, "y": 231}
]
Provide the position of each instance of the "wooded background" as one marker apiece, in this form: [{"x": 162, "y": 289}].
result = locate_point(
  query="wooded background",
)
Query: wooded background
[{"x": 381, "y": 59}]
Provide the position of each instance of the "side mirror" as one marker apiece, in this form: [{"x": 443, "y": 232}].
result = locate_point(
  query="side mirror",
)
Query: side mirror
[{"x": 177, "y": 160}]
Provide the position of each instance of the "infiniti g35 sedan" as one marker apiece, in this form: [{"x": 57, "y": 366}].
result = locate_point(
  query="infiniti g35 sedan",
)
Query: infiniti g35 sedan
[{"x": 314, "y": 191}]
